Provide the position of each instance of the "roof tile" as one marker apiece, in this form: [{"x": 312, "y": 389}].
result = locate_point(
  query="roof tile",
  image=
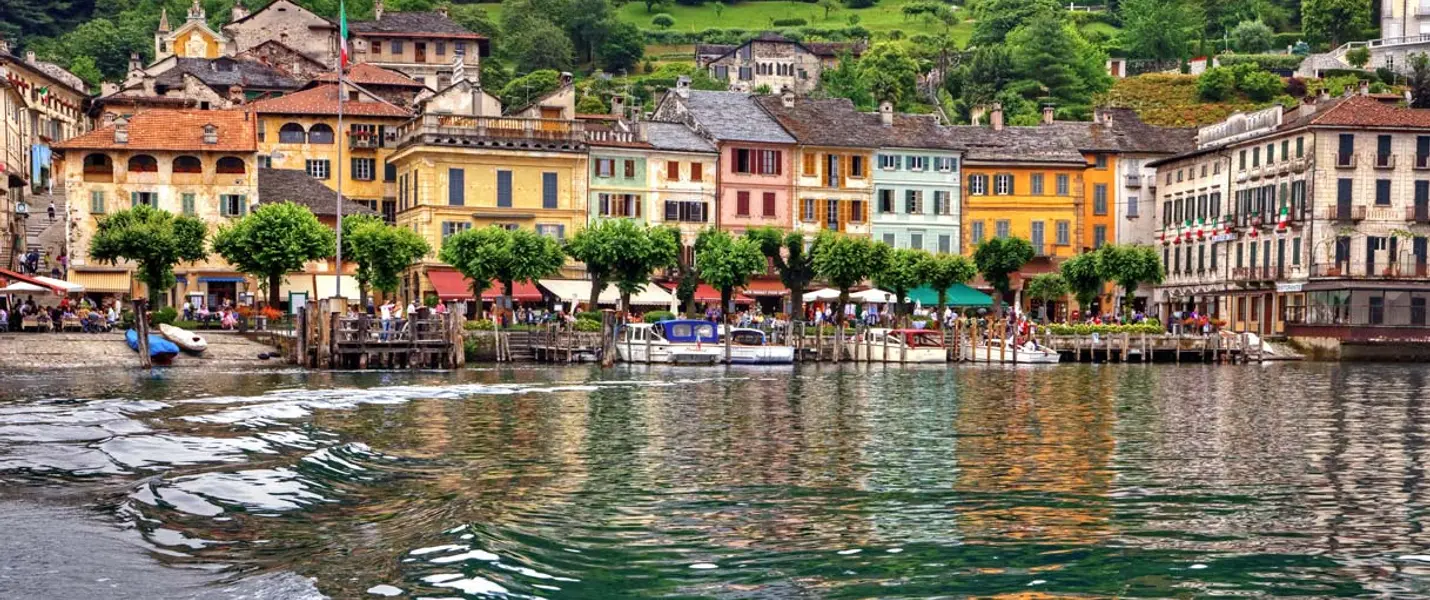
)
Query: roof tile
[
  {"x": 323, "y": 100},
  {"x": 167, "y": 129}
]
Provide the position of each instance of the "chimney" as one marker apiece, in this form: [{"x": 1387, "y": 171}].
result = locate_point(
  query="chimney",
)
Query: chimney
[
  {"x": 1364, "y": 88},
  {"x": 30, "y": 56},
  {"x": 618, "y": 105},
  {"x": 1324, "y": 95},
  {"x": 4, "y": 46},
  {"x": 135, "y": 63},
  {"x": 235, "y": 95},
  {"x": 787, "y": 97},
  {"x": 239, "y": 11},
  {"x": 886, "y": 113},
  {"x": 377, "y": 10},
  {"x": 996, "y": 116},
  {"x": 107, "y": 118},
  {"x": 975, "y": 115},
  {"x": 565, "y": 78},
  {"x": 682, "y": 86},
  {"x": 1047, "y": 114},
  {"x": 210, "y": 134},
  {"x": 121, "y": 130},
  {"x": 442, "y": 10}
]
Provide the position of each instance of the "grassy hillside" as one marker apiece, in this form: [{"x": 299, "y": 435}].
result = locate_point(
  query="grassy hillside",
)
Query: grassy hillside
[
  {"x": 886, "y": 16},
  {"x": 1171, "y": 100}
]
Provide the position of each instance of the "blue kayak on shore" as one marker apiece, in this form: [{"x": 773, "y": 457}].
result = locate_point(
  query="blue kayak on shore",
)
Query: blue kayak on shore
[{"x": 161, "y": 351}]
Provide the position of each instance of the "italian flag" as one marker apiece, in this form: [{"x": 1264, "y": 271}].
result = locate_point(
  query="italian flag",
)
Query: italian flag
[{"x": 343, "y": 33}]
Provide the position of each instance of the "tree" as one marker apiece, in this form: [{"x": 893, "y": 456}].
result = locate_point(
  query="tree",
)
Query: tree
[
  {"x": 1419, "y": 80},
  {"x": 719, "y": 10},
  {"x": 845, "y": 260},
  {"x": 622, "y": 48},
  {"x": 528, "y": 88},
  {"x": 943, "y": 271},
  {"x": 1161, "y": 29},
  {"x": 1216, "y": 84},
  {"x": 993, "y": 20},
  {"x": 791, "y": 258},
  {"x": 591, "y": 104},
  {"x": 1046, "y": 52},
  {"x": 1046, "y": 288},
  {"x": 1358, "y": 57},
  {"x": 382, "y": 252},
  {"x": 654, "y": 248},
  {"x": 1084, "y": 278},
  {"x": 154, "y": 239},
  {"x": 1262, "y": 86},
  {"x": 890, "y": 73},
  {"x": 1251, "y": 37},
  {"x": 273, "y": 241},
  {"x": 663, "y": 21},
  {"x": 652, "y": 5},
  {"x": 829, "y": 6},
  {"x": 847, "y": 81},
  {"x": 84, "y": 68},
  {"x": 1334, "y": 21},
  {"x": 1130, "y": 265},
  {"x": 495, "y": 253},
  {"x": 587, "y": 22},
  {"x": 623, "y": 252},
  {"x": 727, "y": 262},
  {"x": 540, "y": 45},
  {"x": 997, "y": 259},
  {"x": 904, "y": 271},
  {"x": 495, "y": 75}
]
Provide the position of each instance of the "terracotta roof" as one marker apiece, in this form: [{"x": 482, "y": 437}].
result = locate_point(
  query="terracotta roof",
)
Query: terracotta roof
[
  {"x": 370, "y": 74},
  {"x": 292, "y": 185},
  {"x": 427, "y": 23},
  {"x": 1363, "y": 111},
  {"x": 323, "y": 100},
  {"x": 166, "y": 129}
]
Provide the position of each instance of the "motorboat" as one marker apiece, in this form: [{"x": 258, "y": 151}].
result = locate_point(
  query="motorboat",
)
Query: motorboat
[
  {"x": 186, "y": 340},
  {"x": 999, "y": 350},
  {"x": 902, "y": 345},
  {"x": 161, "y": 351},
  {"x": 750, "y": 347},
  {"x": 680, "y": 341}
]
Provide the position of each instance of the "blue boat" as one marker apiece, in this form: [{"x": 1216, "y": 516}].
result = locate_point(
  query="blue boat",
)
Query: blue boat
[
  {"x": 161, "y": 351},
  {"x": 682, "y": 341}
]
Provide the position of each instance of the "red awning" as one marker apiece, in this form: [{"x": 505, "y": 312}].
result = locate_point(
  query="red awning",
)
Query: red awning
[
  {"x": 705, "y": 293},
  {"x": 765, "y": 287},
  {"x": 11, "y": 275},
  {"x": 452, "y": 285},
  {"x": 521, "y": 291}
]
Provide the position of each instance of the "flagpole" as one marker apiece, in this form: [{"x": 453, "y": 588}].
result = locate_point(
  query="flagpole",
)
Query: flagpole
[{"x": 342, "y": 62}]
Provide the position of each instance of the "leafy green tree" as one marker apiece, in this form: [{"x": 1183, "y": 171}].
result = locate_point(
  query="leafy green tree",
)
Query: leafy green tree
[
  {"x": 1048, "y": 52},
  {"x": 1334, "y": 21},
  {"x": 1045, "y": 288},
  {"x": 155, "y": 240},
  {"x": 943, "y": 271},
  {"x": 1161, "y": 29},
  {"x": 528, "y": 88},
  {"x": 613, "y": 249},
  {"x": 1358, "y": 57},
  {"x": 495, "y": 253},
  {"x": 273, "y": 241},
  {"x": 846, "y": 80},
  {"x": 891, "y": 73},
  {"x": 1084, "y": 278},
  {"x": 1216, "y": 84},
  {"x": 651, "y": 249},
  {"x": 905, "y": 270},
  {"x": 1419, "y": 82},
  {"x": 727, "y": 262},
  {"x": 540, "y": 45},
  {"x": 719, "y": 9},
  {"x": 382, "y": 252},
  {"x": 793, "y": 261},
  {"x": 663, "y": 21},
  {"x": 588, "y": 23},
  {"x": 1130, "y": 265},
  {"x": 1262, "y": 86},
  {"x": 844, "y": 261},
  {"x": 475, "y": 18},
  {"x": 622, "y": 48},
  {"x": 1252, "y": 37},
  {"x": 84, "y": 68},
  {"x": 495, "y": 74},
  {"x": 993, "y": 20},
  {"x": 591, "y": 104},
  {"x": 997, "y": 259},
  {"x": 829, "y": 6},
  {"x": 652, "y": 5}
]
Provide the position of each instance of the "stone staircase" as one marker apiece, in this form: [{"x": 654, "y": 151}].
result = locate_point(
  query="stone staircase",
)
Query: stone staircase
[{"x": 41, "y": 233}]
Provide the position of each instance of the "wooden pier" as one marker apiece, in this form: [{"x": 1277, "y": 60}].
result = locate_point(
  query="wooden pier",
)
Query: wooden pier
[{"x": 328, "y": 338}]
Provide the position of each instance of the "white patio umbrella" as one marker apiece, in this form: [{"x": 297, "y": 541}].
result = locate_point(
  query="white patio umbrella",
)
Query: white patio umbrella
[
  {"x": 69, "y": 288},
  {"x": 873, "y": 296},
  {"x": 20, "y": 287},
  {"x": 824, "y": 295}
]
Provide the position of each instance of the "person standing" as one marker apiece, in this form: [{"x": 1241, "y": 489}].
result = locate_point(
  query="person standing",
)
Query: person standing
[
  {"x": 386, "y": 315},
  {"x": 52, "y": 210}
]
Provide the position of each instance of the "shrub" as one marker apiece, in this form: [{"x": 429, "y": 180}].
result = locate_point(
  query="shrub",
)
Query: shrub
[
  {"x": 590, "y": 315},
  {"x": 480, "y": 325},
  {"x": 1262, "y": 86},
  {"x": 663, "y": 21},
  {"x": 657, "y": 316},
  {"x": 1216, "y": 84},
  {"x": 795, "y": 22},
  {"x": 126, "y": 319},
  {"x": 587, "y": 325},
  {"x": 1386, "y": 75},
  {"x": 164, "y": 316},
  {"x": 1267, "y": 62},
  {"x": 1251, "y": 36},
  {"x": 1296, "y": 87},
  {"x": 1285, "y": 39},
  {"x": 1358, "y": 57}
]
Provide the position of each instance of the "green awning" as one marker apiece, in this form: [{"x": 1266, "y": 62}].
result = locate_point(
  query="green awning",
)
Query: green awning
[{"x": 958, "y": 295}]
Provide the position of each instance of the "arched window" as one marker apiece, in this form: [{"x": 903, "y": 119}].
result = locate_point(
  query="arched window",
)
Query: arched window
[
  {"x": 143, "y": 163},
  {"x": 188, "y": 164},
  {"x": 320, "y": 134},
  {"x": 98, "y": 163},
  {"x": 292, "y": 133},
  {"x": 230, "y": 164}
]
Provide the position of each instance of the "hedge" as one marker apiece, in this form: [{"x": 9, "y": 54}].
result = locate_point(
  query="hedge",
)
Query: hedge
[
  {"x": 1266, "y": 62},
  {"x": 656, "y": 316},
  {"x": 1085, "y": 329},
  {"x": 735, "y": 36},
  {"x": 795, "y": 22},
  {"x": 1287, "y": 38}
]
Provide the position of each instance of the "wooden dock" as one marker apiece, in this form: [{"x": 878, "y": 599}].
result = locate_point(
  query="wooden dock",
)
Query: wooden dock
[{"x": 328, "y": 338}]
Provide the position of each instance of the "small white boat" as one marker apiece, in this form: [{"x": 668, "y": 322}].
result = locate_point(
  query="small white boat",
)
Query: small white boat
[
  {"x": 1002, "y": 351},
  {"x": 678, "y": 341},
  {"x": 750, "y": 347},
  {"x": 186, "y": 340},
  {"x": 903, "y": 345}
]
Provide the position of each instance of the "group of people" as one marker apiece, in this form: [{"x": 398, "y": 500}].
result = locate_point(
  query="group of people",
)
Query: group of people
[
  {"x": 90, "y": 317},
  {"x": 33, "y": 263},
  {"x": 226, "y": 315}
]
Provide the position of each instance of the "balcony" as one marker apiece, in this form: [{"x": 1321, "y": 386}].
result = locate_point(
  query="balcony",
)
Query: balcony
[
  {"x": 1299, "y": 165},
  {"x": 1345, "y": 213},
  {"x": 1385, "y": 161},
  {"x": 1134, "y": 181},
  {"x": 1422, "y": 162},
  {"x": 1400, "y": 269},
  {"x": 1345, "y": 161},
  {"x": 499, "y": 132},
  {"x": 365, "y": 142},
  {"x": 1252, "y": 274},
  {"x": 1417, "y": 214}
]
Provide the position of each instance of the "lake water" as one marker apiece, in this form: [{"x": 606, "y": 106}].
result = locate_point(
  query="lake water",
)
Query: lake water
[{"x": 825, "y": 481}]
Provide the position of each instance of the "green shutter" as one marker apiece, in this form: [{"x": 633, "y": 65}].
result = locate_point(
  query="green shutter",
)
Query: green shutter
[
  {"x": 96, "y": 202},
  {"x": 133, "y": 199},
  {"x": 242, "y": 205},
  {"x": 189, "y": 204}
]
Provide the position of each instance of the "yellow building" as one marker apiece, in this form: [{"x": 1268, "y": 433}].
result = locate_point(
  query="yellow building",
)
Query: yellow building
[
  {"x": 1099, "y": 215},
  {"x": 193, "y": 39},
  {"x": 833, "y": 181},
  {"x": 298, "y": 131}
]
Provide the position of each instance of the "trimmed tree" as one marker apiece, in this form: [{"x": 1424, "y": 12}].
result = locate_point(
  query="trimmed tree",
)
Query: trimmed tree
[
  {"x": 943, "y": 271},
  {"x": 904, "y": 271},
  {"x": 273, "y": 241},
  {"x": 997, "y": 259},
  {"x": 653, "y": 249},
  {"x": 1084, "y": 278},
  {"x": 727, "y": 262},
  {"x": 794, "y": 263},
  {"x": 494, "y": 253},
  {"x": 622, "y": 252},
  {"x": 1045, "y": 288},
  {"x": 1130, "y": 265},
  {"x": 155, "y": 240},
  {"x": 845, "y": 261},
  {"x": 382, "y": 252}
]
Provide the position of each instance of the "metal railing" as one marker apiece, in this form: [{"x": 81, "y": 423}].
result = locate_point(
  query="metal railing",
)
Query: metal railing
[
  {"x": 498, "y": 128},
  {"x": 1360, "y": 314},
  {"x": 1345, "y": 161},
  {"x": 1419, "y": 213},
  {"x": 1343, "y": 212},
  {"x": 1408, "y": 268},
  {"x": 1384, "y": 161}
]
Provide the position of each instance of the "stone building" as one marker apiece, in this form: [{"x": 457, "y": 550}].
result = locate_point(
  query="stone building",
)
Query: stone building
[
  {"x": 14, "y": 115},
  {"x": 200, "y": 83},
  {"x": 284, "y": 31},
  {"x": 396, "y": 88},
  {"x": 291, "y": 61},
  {"x": 55, "y": 98},
  {"x": 418, "y": 44},
  {"x": 192, "y": 39},
  {"x": 191, "y": 162},
  {"x": 833, "y": 182},
  {"x": 773, "y": 61}
]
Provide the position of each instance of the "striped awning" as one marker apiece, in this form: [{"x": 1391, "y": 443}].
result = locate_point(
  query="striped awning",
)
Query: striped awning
[{"x": 104, "y": 282}]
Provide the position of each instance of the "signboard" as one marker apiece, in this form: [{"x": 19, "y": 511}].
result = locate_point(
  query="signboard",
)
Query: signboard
[
  {"x": 1289, "y": 288},
  {"x": 1223, "y": 237}
]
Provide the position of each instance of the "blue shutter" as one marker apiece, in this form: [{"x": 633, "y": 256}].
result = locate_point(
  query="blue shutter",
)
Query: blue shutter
[
  {"x": 504, "y": 189},
  {"x": 548, "y": 190},
  {"x": 456, "y": 187},
  {"x": 133, "y": 199}
]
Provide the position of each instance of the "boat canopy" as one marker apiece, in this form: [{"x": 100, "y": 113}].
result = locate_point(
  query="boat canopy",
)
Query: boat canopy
[
  {"x": 745, "y": 336},
  {"x": 688, "y": 331}
]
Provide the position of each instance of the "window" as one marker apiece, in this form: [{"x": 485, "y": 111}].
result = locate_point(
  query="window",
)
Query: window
[
  {"x": 320, "y": 133},
  {"x": 1270, "y": 153},
  {"x": 1346, "y": 149},
  {"x": 377, "y": 46},
  {"x": 886, "y": 201},
  {"x": 1062, "y": 183},
  {"x": 364, "y": 169},
  {"x": 554, "y": 231},
  {"x": 549, "y": 189},
  {"x": 672, "y": 170},
  {"x": 605, "y": 167},
  {"x": 945, "y": 243},
  {"x": 396, "y": 46},
  {"x": 916, "y": 241},
  {"x": 1216, "y": 168},
  {"x": 1064, "y": 233},
  {"x": 1036, "y": 238},
  {"x": 1300, "y": 147},
  {"x": 978, "y": 185},
  {"x": 265, "y": 161},
  {"x": 389, "y": 172},
  {"x": 888, "y": 162},
  {"x": 1179, "y": 174},
  {"x": 620, "y": 205},
  {"x": 188, "y": 164},
  {"x": 745, "y": 74},
  {"x": 696, "y": 171},
  {"x": 230, "y": 165},
  {"x": 1002, "y": 228},
  {"x": 503, "y": 189},
  {"x": 757, "y": 162},
  {"x": 1285, "y": 149},
  {"x": 143, "y": 163},
  {"x": 1204, "y": 171},
  {"x": 1382, "y": 192},
  {"x": 1099, "y": 199},
  {"x": 450, "y": 229},
  {"x": 188, "y": 204},
  {"x": 975, "y": 234},
  {"x": 918, "y": 163},
  {"x": 1213, "y": 253},
  {"x": 1100, "y": 162},
  {"x": 96, "y": 202},
  {"x": 742, "y": 204},
  {"x": 232, "y": 205},
  {"x": 292, "y": 133},
  {"x": 1099, "y": 236},
  {"x": 1241, "y": 158},
  {"x": 456, "y": 187},
  {"x": 1256, "y": 157},
  {"x": 809, "y": 160},
  {"x": 769, "y": 205},
  {"x": 685, "y": 211},
  {"x": 1132, "y": 207},
  {"x": 630, "y": 168},
  {"x": 945, "y": 163},
  {"x": 913, "y": 202},
  {"x": 889, "y": 240},
  {"x": 318, "y": 168},
  {"x": 1003, "y": 184},
  {"x": 942, "y": 204},
  {"x": 1036, "y": 183},
  {"x": 1296, "y": 251},
  {"x": 769, "y": 162},
  {"x": 1382, "y": 151},
  {"x": 809, "y": 210},
  {"x": 441, "y": 48},
  {"x": 856, "y": 166}
]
